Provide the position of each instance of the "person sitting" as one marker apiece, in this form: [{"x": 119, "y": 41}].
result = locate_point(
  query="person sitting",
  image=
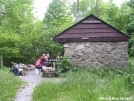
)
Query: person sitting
[
  {"x": 43, "y": 57},
  {"x": 46, "y": 63},
  {"x": 39, "y": 64},
  {"x": 15, "y": 69},
  {"x": 47, "y": 56},
  {"x": 59, "y": 57}
]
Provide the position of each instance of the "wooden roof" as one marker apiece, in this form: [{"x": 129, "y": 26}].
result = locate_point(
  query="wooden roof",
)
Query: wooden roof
[{"x": 91, "y": 29}]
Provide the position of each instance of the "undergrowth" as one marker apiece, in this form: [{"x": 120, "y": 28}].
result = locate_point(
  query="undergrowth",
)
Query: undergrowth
[
  {"x": 88, "y": 85},
  {"x": 9, "y": 85}
]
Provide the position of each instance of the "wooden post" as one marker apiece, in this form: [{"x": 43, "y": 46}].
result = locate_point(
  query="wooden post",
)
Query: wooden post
[{"x": 1, "y": 61}]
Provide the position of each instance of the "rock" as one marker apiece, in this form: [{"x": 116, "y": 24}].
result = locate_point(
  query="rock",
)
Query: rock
[{"x": 80, "y": 46}]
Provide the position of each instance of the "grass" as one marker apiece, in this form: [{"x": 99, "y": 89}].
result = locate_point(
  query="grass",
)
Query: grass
[
  {"x": 79, "y": 86},
  {"x": 90, "y": 85},
  {"x": 9, "y": 85},
  {"x": 83, "y": 86},
  {"x": 131, "y": 60}
]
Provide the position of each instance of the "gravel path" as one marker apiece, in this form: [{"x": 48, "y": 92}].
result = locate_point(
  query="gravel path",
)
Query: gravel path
[{"x": 25, "y": 93}]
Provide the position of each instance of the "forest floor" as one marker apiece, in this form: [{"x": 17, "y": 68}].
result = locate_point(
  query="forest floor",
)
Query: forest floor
[{"x": 32, "y": 80}]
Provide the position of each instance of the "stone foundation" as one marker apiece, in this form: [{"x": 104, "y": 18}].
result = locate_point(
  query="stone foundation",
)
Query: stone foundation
[{"x": 87, "y": 54}]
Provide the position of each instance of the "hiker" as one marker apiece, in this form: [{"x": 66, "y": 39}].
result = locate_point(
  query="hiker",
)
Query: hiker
[
  {"x": 38, "y": 64},
  {"x": 46, "y": 60},
  {"x": 43, "y": 57},
  {"x": 59, "y": 57},
  {"x": 14, "y": 69},
  {"x": 47, "y": 57}
]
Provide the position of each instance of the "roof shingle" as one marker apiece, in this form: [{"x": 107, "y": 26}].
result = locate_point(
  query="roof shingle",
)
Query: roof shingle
[{"x": 92, "y": 29}]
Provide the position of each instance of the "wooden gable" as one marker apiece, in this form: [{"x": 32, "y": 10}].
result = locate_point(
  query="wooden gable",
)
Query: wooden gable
[{"x": 91, "y": 29}]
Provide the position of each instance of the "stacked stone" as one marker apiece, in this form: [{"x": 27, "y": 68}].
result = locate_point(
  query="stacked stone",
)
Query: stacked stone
[{"x": 88, "y": 54}]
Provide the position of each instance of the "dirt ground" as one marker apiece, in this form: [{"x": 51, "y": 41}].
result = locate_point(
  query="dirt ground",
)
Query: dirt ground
[{"x": 25, "y": 92}]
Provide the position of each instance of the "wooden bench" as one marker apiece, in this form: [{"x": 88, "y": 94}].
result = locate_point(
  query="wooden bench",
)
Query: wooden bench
[{"x": 49, "y": 74}]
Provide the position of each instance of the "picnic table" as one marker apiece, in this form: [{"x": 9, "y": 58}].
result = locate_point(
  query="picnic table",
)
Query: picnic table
[{"x": 52, "y": 63}]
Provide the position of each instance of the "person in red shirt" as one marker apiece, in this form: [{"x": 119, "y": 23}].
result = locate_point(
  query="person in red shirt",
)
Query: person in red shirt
[
  {"x": 47, "y": 57},
  {"x": 39, "y": 64},
  {"x": 43, "y": 57}
]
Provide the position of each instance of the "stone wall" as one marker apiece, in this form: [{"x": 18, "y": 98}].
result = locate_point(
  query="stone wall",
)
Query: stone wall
[{"x": 87, "y": 54}]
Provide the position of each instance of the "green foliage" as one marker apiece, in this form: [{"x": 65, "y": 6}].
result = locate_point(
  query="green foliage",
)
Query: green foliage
[
  {"x": 110, "y": 14},
  {"x": 9, "y": 45},
  {"x": 20, "y": 35},
  {"x": 57, "y": 18},
  {"x": 128, "y": 8},
  {"x": 90, "y": 85},
  {"x": 126, "y": 74},
  {"x": 129, "y": 76},
  {"x": 86, "y": 7},
  {"x": 129, "y": 81},
  {"x": 9, "y": 85},
  {"x": 83, "y": 86},
  {"x": 64, "y": 66},
  {"x": 105, "y": 72},
  {"x": 23, "y": 39},
  {"x": 130, "y": 29},
  {"x": 46, "y": 89},
  {"x": 130, "y": 3},
  {"x": 15, "y": 23},
  {"x": 119, "y": 17}
]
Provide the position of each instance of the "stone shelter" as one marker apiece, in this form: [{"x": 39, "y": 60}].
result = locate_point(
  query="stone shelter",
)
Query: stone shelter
[{"x": 92, "y": 41}]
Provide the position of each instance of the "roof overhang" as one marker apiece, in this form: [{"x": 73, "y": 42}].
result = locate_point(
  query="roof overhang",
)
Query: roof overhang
[{"x": 93, "y": 39}]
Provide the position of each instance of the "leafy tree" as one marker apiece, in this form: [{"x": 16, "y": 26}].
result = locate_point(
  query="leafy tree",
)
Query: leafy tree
[
  {"x": 56, "y": 19},
  {"x": 130, "y": 27},
  {"x": 15, "y": 28},
  {"x": 9, "y": 45},
  {"x": 130, "y": 3},
  {"x": 113, "y": 15},
  {"x": 86, "y": 7},
  {"x": 108, "y": 12}
]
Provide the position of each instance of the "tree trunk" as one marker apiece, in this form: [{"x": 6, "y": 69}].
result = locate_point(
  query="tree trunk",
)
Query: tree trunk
[
  {"x": 97, "y": 10},
  {"x": 1, "y": 61},
  {"x": 78, "y": 15}
]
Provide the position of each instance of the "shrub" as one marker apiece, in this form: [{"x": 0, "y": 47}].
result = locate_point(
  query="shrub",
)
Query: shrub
[
  {"x": 65, "y": 66},
  {"x": 129, "y": 81}
]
